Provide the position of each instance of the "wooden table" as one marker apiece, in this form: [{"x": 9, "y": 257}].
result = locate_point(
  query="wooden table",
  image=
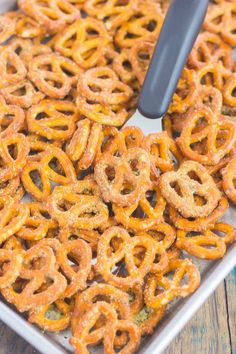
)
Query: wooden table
[{"x": 211, "y": 331}]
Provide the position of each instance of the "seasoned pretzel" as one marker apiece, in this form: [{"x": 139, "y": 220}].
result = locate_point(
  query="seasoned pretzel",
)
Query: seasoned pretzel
[
  {"x": 79, "y": 42},
  {"x": 205, "y": 245},
  {"x": 228, "y": 91},
  {"x": 128, "y": 178},
  {"x": 52, "y": 14},
  {"x": 13, "y": 260},
  {"x": 22, "y": 94},
  {"x": 17, "y": 71},
  {"x": 191, "y": 180},
  {"x": 163, "y": 233},
  {"x": 221, "y": 19},
  {"x": 198, "y": 224},
  {"x": 106, "y": 261},
  {"x": 103, "y": 86},
  {"x": 54, "y": 123},
  {"x": 210, "y": 130},
  {"x": 163, "y": 152},
  {"x": 25, "y": 26},
  {"x": 77, "y": 273},
  {"x": 53, "y": 318},
  {"x": 123, "y": 66},
  {"x": 171, "y": 288},
  {"x": 144, "y": 24},
  {"x": 144, "y": 214},
  {"x": 11, "y": 119},
  {"x": 140, "y": 56},
  {"x": 85, "y": 209},
  {"x": 7, "y": 28},
  {"x": 46, "y": 72},
  {"x": 70, "y": 234},
  {"x": 210, "y": 48}
]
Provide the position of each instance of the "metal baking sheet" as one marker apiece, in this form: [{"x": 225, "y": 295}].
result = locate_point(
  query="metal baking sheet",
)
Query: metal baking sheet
[{"x": 176, "y": 318}]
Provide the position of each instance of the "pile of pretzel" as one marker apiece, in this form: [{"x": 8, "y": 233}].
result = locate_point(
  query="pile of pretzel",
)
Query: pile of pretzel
[{"x": 103, "y": 241}]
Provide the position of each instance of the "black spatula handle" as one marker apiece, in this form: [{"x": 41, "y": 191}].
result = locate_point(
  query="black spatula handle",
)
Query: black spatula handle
[{"x": 179, "y": 32}]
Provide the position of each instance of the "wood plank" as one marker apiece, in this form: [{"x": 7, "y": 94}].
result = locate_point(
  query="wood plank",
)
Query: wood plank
[
  {"x": 230, "y": 285},
  {"x": 208, "y": 331}
]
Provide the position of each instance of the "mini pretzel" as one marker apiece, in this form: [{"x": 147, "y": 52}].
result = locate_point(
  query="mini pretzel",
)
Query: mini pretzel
[
  {"x": 52, "y": 14},
  {"x": 163, "y": 233},
  {"x": 70, "y": 234},
  {"x": 141, "y": 55},
  {"x": 86, "y": 210},
  {"x": 9, "y": 58},
  {"x": 80, "y": 253},
  {"x": 138, "y": 24},
  {"x": 209, "y": 132},
  {"x": 46, "y": 73},
  {"x": 152, "y": 207},
  {"x": 12, "y": 119},
  {"x": 199, "y": 224},
  {"x": 85, "y": 143},
  {"x": 14, "y": 158},
  {"x": 210, "y": 48},
  {"x": 129, "y": 176},
  {"x": 38, "y": 224},
  {"x": 171, "y": 288},
  {"x": 228, "y": 91},
  {"x": 14, "y": 260},
  {"x": 163, "y": 152},
  {"x": 103, "y": 86},
  {"x": 53, "y": 318},
  {"x": 77, "y": 42},
  {"x": 22, "y": 94},
  {"x": 112, "y": 13},
  {"x": 226, "y": 25},
  {"x": 7, "y": 28},
  {"x": 186, "y": 92},
  {"x": 123, "y": 66},
  {"x": 54, "y": 124},
  {"x": 107, "y": 260},
  {"x": 11, "y": 187},
  {"x": 205, "y": 245},
  {"x": 179, "y": 188}
]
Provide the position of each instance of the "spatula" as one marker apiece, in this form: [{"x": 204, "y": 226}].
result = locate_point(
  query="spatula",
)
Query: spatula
[{"x": 179, "y": 32}]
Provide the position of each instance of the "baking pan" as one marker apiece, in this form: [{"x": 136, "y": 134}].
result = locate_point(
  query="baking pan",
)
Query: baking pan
[{"x": 177, "y": 316}]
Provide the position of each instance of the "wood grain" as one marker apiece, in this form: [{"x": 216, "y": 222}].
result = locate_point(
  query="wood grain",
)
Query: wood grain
[{"x": 211, "y": 331}]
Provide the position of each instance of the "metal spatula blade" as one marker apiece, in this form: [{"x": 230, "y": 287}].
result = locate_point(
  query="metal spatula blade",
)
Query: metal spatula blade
[{"x": 179, "y": 32}]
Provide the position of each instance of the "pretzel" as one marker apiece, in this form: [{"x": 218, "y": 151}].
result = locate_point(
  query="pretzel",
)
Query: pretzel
[
  {"x": 22, "y": 94},
  {"x": 123, "y": 66},
  {"x": 225, "y": 231},
  {"x": 46, "y": 73},
  {"x": 112, "y": 13},
  {"x": 52, "y": 14},
  {"x": 13, "y": 261},
  {"x": 12, "y": 188},
  {"x": 205, "y": 245},
  {"x": 8, "y": 58},
  {"x": 210, "y": 131},
  {"x": 103, "y": 86},
  {"x": 61, "y": 172},
  {"x": 163, "y": 152},
  {"x": 54, "y": 124},
  {"x": 106, "y": 261},
  {"x": 144, "y": 24},
  {"x": 163, "y": 233},
  {"x": 225, "y": 25},
  {"x": 11, "y": 119},
  {"x": 228, "y": 91},
  {"x": 210, "y": 48},
  {"x": 86, "y": 210},
  {"x": 80, "y": 252},
  {"x": 228, "y": 180},
  {"x": 179, "y": 188},
  {"x": 186, "y": 92},
  {"x": 78, "y": 43},
  {"x": 171, "y": 288},
  {"x": 7, "y": 28},
  {"x": 70, "y": 234},
  {"x": 38, "y": 224},
  {"x": 25, "y": 26},
  {"x": 30, "y": 295},
  {"x": 84, "y": 143},
  {"x": 14, "y": 149},
  {"x": 199, "y": 224},
  {"x": 152, "y": 208},
  {"x": 53, "y": 318},
  {"x": 129, "y": 176},
  {"x": 140, "y": 56}
]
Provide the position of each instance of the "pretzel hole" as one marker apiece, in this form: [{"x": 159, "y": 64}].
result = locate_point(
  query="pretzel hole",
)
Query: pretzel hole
[
  {"x": 139, "y": 213},
  {"x": 53, "y": 313},
  {"x": 6, "y": 120},
  {"x": 36, "y": 178},
  {"x": 200, "y": 124},
  {"x": 193, "y": 175},
  {"x": 56, "y": 166},
  {"x": 13, "y": 150},
  {"x": 20, "y": 91},
  {"x": 11, "y": 69},
  {"x": 67, "y": 71},
  {"x": 200, "y": 200},
  {"x": 19, "y": 285},
  {"x": 217, "y": 20},
  {"x": 177, "y": 188},
  {"x": 121, "y": 340},
  {"x": 94, "y": 87},
  {"x": 110, "y": 172},
  {"x": 64, "y": 205},
  {"x": 207, "y": 79},
  {"x": 42, "y": 115},
  {"x": 127, "y": 65},
  {"x": 4, "y": 265}
]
